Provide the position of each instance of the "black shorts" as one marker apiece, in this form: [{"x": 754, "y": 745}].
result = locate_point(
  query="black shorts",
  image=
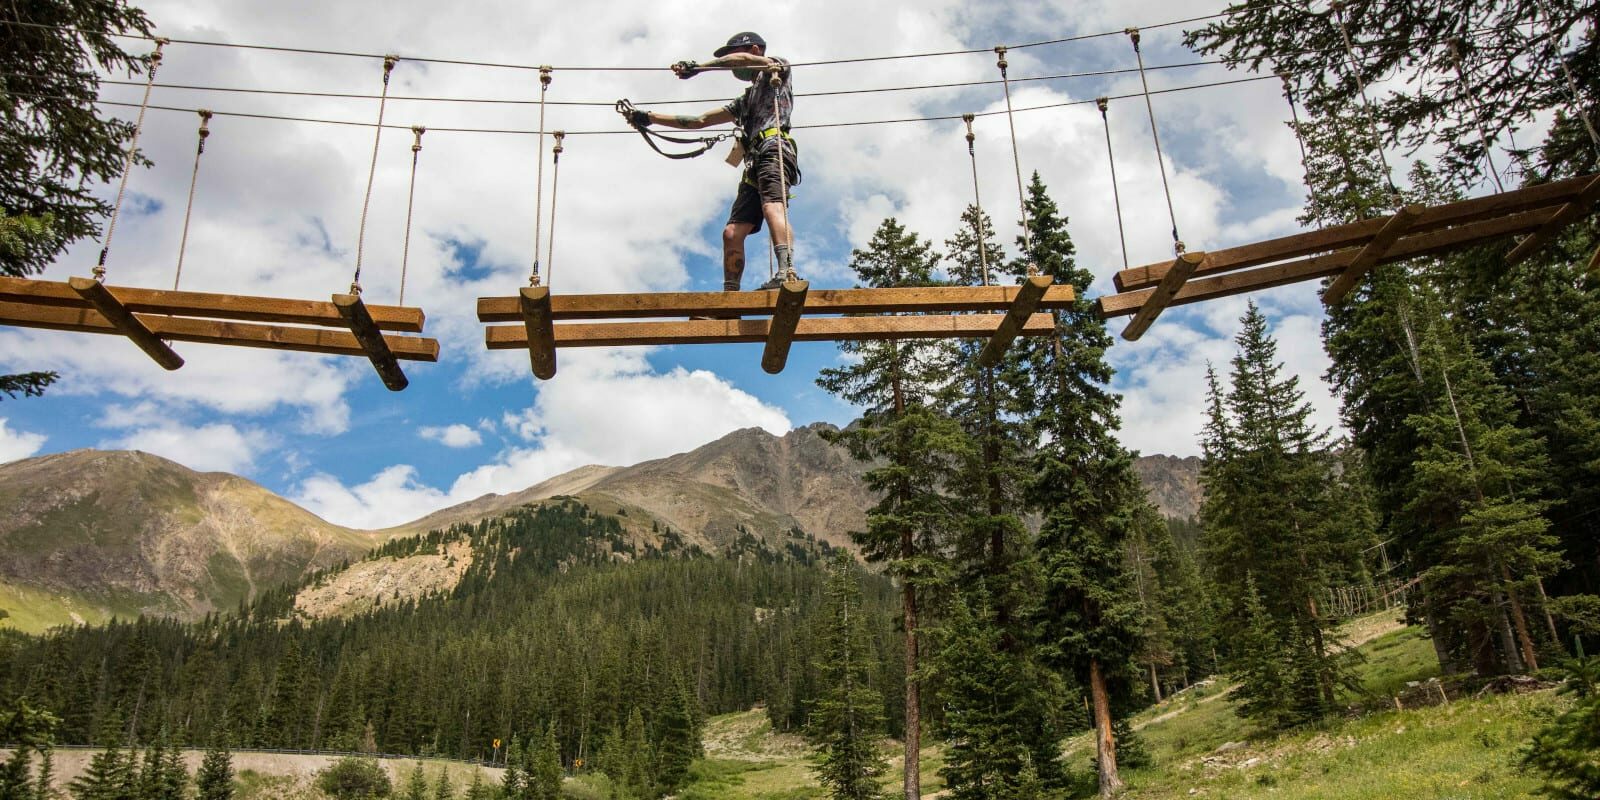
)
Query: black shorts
[{"x": 747, "y": 203}]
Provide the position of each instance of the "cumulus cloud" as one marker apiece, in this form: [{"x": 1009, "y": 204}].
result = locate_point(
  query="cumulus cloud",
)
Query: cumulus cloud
[
  {"x": 215, "y": 447},
  {"x": 456, "y": 435},
  {"x": 15, "y": 445}
]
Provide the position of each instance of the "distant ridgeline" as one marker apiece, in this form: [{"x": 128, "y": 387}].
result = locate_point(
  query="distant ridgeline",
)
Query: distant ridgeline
[{"x": 561, "y": 618}]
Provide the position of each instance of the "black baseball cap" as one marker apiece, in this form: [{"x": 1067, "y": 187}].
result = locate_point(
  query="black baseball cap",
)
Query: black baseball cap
[{"x": 744, "y": 39}]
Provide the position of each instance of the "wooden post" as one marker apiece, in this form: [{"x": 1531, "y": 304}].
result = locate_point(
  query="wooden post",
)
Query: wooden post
[
  {"x": 1176, "y": 276},
  {"x": 1365, "y": 260},
  {"x": 1443, "y": 698},
  {"x": 1027, "y": 300},
  {"x": 366, "y": 331},
  {"x": 780, "y": 334},
  {"x": 125, "y": 322},
  {"x": 540, "y": 325},
  {"x": 1574, "y": 210}
]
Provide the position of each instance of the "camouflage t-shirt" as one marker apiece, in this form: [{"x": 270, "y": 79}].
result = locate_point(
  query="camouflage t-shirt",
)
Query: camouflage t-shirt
[{"x": 753, "y": 110}]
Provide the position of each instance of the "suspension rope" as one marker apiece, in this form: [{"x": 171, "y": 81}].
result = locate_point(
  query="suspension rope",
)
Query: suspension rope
[
  {"x": 372, "y": 171},
  {"x": 538, "y": 202},
  {"x": 977, "y": 201},
  {"x": 411, "y": 197},
  {"x": 776, "y": 82},
  {"x": 1116, "y": 196},
  {"x": 1453, "y": 45},
  {"x": 1366, "y": 102},
  {"x": 1016, "y": 160},
  {"x": 1572, "y": 87},
  {"x": 127, "y": 162},
  {"x": 1155, "y": 132},
  {"x": 194, "y": 178},
  {"x": 555, "y": 183},
  {"x": 1299, "y": 138}
]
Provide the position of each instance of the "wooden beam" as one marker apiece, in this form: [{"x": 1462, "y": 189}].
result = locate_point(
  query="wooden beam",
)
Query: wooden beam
[
  {"x": 1182, "y": 267},
  {"x": 1325, "y": 265},
  {"x": 206, "y": 331},
  {"x": 786, "y": 316},
  {"x": 366, "y": 332},
  {"x": 1579, "y": 208},
  {"x": 103, "y": 301},
  {"x": 1338, "y": 237},
  {"x": 538, "y": 323},
  {"x": 1369, "y": 255},
  {"x": 735, "y": 331},
  {"x": 1026, "y": 302},
  {"x": 942, "y": 299},
  {"x": 210, "y": 306}
]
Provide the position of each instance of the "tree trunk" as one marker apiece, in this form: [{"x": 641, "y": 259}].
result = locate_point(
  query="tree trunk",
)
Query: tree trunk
[
  {"x": 1105, "y": 742},
  {"x": 1530, "y": 660},
  {"x": 1508, "y": 640},
  {"x": 913, "y": 773},
  {"x": 1155, "y": 683},
  {"x": 1549, "y": 621},
  {"x": 1441, "y": 648}
]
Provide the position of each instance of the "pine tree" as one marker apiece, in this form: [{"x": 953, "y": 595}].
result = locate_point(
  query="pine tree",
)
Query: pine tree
[
  {"x": 214, "y": 781},
  {"x": 910, "y": 445},
  {"x": 513, "y": 781},
  {"x": 44, "y": 787},
  {"x": 443, "y": 789},
  {"x": 111, "y": 775},
  {"x": 29, "y": 731},
  {"x": 1257, "y": 664},
  {"x": 417, "y": 785},
  {"x": 544, "y": 768},
  {"x": 845, "y": 722},
  {"x": 1564, "y": 750},
  {"x": 677, "y": 740}
]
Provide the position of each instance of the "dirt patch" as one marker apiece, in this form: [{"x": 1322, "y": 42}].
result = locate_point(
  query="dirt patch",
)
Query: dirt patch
[
  {"x": 749, "y": 737},
  {"x": 300, "y": 770},
  {"x": 385, "y": 581}
]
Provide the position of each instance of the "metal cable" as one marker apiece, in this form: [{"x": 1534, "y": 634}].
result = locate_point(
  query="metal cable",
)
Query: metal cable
[
  {"x": 127, "y": 163},
  {"x": 977, "y": 201},
  {"x": 1155, "y": 132},
  {"x": 776, "y": 82},
  {"x": 1294, "y": 114},
  {"x": 538, "y": 203},
  {"x": 1016, "y": 161},
  {"x": 372, "y": 172},
  {"x": 1366, "y": 102},
  {"x": 1116, "y": 196},
  {"x": 194, "y": 178},
  {"x": 411, "y": 197},
  {"x": 555, "y": 183},
  {"x": 1453, "y": 44}
]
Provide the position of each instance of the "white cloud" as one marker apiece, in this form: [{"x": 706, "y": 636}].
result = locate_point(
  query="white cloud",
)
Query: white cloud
[
  {"x": 207, "y": 448},
  {"x": 456, "y": 435},
  {"x": 15, "y": 445}
]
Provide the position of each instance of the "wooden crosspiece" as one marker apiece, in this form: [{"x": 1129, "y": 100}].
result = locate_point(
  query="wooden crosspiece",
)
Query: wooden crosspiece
[
  {"x": 1159, "y": 298},
  {"x": 343, "y": 327},
  {"x": 1347, "y": 252},
  {"x": 777, "y": 317}
]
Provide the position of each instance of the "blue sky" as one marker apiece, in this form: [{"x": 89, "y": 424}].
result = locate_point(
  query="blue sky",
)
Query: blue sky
[{"x": 278, "y": 207}]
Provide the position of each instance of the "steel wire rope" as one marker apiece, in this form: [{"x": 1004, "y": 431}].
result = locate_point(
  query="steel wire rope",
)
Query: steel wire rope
[
  {"x": 1116, "y": 195},
  {"x": 555, "y": 184},
  {"x": 99, "y": 270},
  {"x": 194, "y": 178},
  {"x": 1016, "y": 161},
  {"x": 411, "y": 199},
  {"x": 776, "y": 82},
  {"x": 538, "y": 203},
  {"x": 1453, "y": 44},
  {"x": 1366, "y": 102},
  {"x": 1155, "y": 133},
  {"x": 372, "y": 172},
  {"x": 977, "y": 201}
]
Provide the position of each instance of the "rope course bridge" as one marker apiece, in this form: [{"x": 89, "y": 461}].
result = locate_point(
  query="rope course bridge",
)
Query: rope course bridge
[{"x": 539, "y": 321}]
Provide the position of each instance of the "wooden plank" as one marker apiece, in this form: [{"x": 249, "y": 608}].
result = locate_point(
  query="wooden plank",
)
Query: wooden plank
[
  {"x": 206, "y": 331},
  {"x": 1182, "y": 267},
  {"x": 1338, "y": 237},
  {"x": 366, "y": 332},
  {"x": 1022, "y": 307},
  {"x": 943, "y": 299},
  {"x": 780, "y": 334},
  {"x": 1569, "y": 213},
  {"x": 735, "y": 331},
  {"x": 1369, "y": 255},
  {"x": 1325, "y": 265},
  {"x": 103, "y": 301},
  {"x": 537, "y": 321},
  {"x": 210, "y": 306}
]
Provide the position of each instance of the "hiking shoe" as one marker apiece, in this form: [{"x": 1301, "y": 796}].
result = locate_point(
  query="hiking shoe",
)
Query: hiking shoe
[{"x": 774, "y": 282}]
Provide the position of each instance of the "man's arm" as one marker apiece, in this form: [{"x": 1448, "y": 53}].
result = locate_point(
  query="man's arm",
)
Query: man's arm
[{"x": 692, "y": 122}]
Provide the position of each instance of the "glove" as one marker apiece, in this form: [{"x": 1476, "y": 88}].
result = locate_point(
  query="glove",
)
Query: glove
[
  {"x": 639, "y": 119},
  {"x": 686, "y": 69}
]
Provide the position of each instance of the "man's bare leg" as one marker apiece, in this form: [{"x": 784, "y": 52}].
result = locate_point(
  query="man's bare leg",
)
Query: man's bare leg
[{"x": 733, "y": 237}]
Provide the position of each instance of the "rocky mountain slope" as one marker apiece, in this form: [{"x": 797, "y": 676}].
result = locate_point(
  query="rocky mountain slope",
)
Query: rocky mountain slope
[
  {"x": 1173, "y": 483},
  {"x": 89, "y": 534}
]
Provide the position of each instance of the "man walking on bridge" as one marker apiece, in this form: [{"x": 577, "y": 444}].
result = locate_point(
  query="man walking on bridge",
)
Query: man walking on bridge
[{"x": 771, "y": 161}]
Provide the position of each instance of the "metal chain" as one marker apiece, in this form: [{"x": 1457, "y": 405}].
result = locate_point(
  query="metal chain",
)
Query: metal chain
[
  {"x": 555, "y": 183},
  {"x": 538, "y": 193},
  {"x": 1016, "y": 160},
  {"x": 977, "y": 201},
  {"x": 411, "y": 196},
  {"x": 1155, "y": 133},
  {"x": 194, "y": 178},
  {"x": 127, "y": 160},
  {"x": 1116, "y": 195},
  {"x": 372, "y": 171}
]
